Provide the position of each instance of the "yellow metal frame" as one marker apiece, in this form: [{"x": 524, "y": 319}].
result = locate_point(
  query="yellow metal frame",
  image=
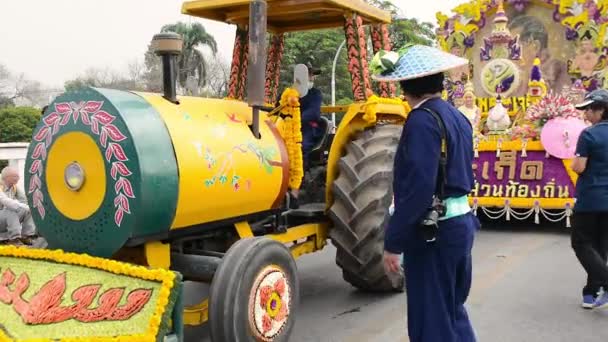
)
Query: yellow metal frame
[
  {"x": 288, "y": 15},
  {"x": 307, "y": 238},
  {"x": 313, "y": 234},
  {"x": 158, "y": 254},
  {"x": 196, "y": 314}
]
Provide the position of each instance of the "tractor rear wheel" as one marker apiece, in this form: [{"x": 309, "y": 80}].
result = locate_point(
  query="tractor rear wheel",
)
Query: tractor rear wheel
[
  {"x": 363, "y": 193},
  {"x": 254, "y": 294}
]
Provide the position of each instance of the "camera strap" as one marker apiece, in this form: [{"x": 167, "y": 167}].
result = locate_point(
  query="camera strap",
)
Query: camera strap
[{"x": 443, "y": 157}]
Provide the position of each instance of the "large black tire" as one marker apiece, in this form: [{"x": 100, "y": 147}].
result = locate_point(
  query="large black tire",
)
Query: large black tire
[
  {"x": 256, "y": 284},
  {"x": 363, "y": 193}
]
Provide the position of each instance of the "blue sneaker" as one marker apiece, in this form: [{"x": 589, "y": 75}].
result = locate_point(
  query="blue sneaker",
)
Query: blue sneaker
[
  {"x": 588, "y": 301},
  {"x": 602, "y": 301}
]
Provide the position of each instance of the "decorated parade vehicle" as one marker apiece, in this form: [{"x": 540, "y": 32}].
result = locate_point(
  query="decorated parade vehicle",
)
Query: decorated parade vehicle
[
  {"x": 530, "y": 62},
  {"x": 136, "y": 193}
]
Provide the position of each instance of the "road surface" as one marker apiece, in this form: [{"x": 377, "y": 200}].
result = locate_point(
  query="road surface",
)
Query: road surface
[{"x": 526, "y": 287}]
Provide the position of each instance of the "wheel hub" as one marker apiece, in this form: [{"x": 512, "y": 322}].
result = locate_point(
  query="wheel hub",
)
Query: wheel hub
[{"x": 269, "y": 303}]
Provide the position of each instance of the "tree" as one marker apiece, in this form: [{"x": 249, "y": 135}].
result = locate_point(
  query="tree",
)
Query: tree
[
  {"x": 18, "y": 123},
  {"x": 192, "y": 62},
  {"x": 17, "y": 88},
  {"x": 218, "y": 77},
  {"x": 108, "y": 78},
  {"x": 319, "y": 48},
  {"x": 153, "y": 74},
  {"x": 406, "y": 30},
  {"x": 410, "y": 30}
]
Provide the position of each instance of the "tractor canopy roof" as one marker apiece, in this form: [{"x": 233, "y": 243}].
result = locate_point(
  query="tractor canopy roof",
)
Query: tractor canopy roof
[{"x": 288, "y": 15}]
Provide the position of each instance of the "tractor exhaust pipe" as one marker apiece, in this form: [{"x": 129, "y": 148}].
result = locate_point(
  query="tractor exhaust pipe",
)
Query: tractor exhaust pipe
[
  {"x": 257, "y": 61},
  {"x": 168, "y": 46}
]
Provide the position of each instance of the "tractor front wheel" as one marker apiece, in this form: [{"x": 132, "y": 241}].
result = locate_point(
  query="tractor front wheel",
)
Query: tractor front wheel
[
  {"x": 254, "y": 293},
  {"x": 362, "y": 197}
]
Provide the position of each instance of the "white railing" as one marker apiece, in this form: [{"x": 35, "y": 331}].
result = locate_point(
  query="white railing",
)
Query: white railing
[{"x": 15, "y": 153}]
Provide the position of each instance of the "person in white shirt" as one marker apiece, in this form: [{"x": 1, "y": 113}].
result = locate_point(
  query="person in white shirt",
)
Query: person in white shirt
[{"x": 16, "y": 223}]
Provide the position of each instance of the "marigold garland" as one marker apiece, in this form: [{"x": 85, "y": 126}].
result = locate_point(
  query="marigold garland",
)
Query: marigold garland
[
  {"x": 290, "y": 128},
  {"x": 167, "y": 278}
]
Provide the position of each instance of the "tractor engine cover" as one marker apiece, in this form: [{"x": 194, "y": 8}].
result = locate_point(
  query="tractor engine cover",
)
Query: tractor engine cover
[{"x": 105, "y": 166}]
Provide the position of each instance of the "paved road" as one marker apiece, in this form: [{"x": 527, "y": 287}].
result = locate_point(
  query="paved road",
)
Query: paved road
[{"x": 526, "y": 288}]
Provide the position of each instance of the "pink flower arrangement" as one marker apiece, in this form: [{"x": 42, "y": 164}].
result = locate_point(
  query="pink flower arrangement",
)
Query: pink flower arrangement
[{"x": 550, "y": 107}]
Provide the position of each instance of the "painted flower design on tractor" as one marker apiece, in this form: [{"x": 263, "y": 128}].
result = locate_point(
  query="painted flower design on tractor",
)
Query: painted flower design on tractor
[
  {"x": 90, "y": 113},
  {"x": 271, "y": 299}
]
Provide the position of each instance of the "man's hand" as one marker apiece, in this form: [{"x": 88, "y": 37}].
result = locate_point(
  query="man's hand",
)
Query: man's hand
[{"x": 392, "y": 262}]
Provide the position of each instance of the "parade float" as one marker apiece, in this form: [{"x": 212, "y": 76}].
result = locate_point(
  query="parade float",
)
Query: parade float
[{"x": 530, "y": 61}]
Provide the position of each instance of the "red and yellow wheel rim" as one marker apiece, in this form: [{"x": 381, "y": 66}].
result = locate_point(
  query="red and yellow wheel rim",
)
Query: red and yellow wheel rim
[{"x": 269, "y": 303}]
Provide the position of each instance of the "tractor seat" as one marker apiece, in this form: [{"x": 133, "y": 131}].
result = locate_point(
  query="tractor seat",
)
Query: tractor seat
[{"x": 325, "y": 127}]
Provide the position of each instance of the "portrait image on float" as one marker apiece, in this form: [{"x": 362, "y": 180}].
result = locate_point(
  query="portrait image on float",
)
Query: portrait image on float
[{"x": 569, "y": 37}]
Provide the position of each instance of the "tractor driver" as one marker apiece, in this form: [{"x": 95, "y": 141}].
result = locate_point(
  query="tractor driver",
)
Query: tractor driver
[{"x": 310, "y": 109}]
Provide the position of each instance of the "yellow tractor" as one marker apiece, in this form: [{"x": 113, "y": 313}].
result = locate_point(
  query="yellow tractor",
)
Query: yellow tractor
[{"x": 199, "y": 186}]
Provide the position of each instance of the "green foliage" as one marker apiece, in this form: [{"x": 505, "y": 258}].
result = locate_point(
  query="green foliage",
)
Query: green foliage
[
  {"x": 192, "y": 62},
  {"x": 103, "y": 78},
  {"x": 18, "y": 123},
  {"x": 406, "y": 30},
  {"x": 319, "y": 48},
  {"x": 410, "y": 30}
]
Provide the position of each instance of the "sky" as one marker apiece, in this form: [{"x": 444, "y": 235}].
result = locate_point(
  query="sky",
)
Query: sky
[{"x": 52, "y": 41}]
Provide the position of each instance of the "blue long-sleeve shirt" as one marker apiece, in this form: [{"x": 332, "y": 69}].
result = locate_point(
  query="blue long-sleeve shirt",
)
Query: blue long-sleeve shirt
[
  {"x": 416, "y": 167},
  {"x": 310, "y": 106},
  {"x": 310, "y": 111}
]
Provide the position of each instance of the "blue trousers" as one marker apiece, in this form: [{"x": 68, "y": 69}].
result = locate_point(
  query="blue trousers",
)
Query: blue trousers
[{"x": 438, "y": 280}]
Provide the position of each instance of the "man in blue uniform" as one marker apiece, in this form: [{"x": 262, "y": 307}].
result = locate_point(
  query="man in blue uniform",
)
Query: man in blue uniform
[{"x": 437, "y": 258}]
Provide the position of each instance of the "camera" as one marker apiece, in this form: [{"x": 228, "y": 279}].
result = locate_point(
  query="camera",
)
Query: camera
[{"x": 430, "y": 223}]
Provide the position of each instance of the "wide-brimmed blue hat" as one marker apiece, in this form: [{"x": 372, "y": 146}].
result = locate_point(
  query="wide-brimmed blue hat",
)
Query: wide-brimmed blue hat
[{"x": 413, "y": 61}]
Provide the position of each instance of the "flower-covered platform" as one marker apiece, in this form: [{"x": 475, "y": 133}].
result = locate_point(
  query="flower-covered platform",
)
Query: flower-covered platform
[{"x": 49, "y": 295}]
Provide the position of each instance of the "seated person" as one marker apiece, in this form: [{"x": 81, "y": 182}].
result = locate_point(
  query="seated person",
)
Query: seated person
[
  {"x": 16, "y": 223},
  {"x": 310, "y": 109},
  {"x": 310, "y": 114}
]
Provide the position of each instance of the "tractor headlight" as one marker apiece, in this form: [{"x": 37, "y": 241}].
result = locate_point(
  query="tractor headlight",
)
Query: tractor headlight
[{"x": 74, "y": 176}]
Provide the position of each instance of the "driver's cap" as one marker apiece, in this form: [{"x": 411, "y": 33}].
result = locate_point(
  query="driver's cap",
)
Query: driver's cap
[{"x": 599, "y": 96}]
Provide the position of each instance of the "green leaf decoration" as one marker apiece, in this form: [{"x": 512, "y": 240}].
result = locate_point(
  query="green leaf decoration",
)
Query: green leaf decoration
[{"x": 268, "y": 168}]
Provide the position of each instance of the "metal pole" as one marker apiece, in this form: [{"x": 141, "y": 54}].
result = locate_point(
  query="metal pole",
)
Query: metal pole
[
  {"x": 333, "y": 86},
  {"x": 257, "y": 61}
]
